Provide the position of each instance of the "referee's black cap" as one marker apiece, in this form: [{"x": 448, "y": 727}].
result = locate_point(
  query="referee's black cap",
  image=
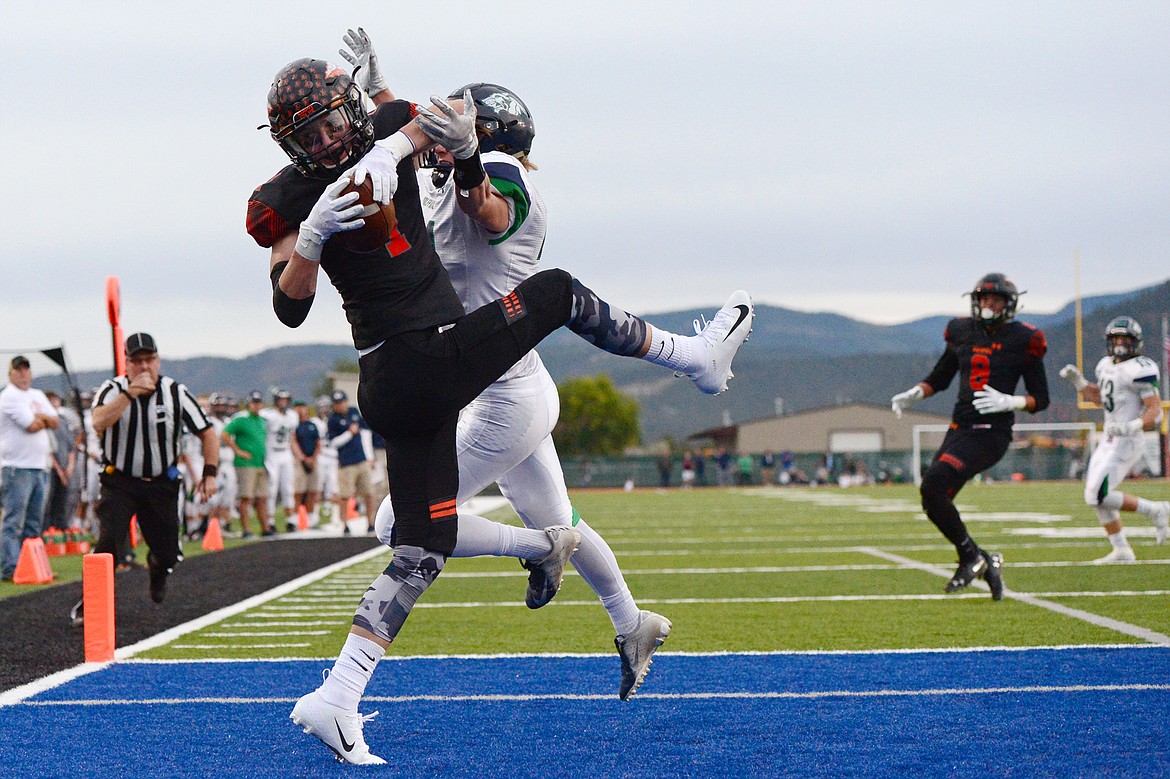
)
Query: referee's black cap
[{"x": 140, "y": 342}]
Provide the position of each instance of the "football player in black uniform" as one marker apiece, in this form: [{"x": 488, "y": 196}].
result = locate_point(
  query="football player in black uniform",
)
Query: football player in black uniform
[
  {"x": 422, "y": 359},
  {"x": 990, "y": 352}
]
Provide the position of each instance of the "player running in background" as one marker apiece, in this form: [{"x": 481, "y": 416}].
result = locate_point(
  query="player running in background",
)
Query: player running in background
[
  {"x": 422, "y": 358},
  {"x": 1127, "y": 388},
  {"x": 990, "y": 352},
  {"x": 490, "y": 239}
]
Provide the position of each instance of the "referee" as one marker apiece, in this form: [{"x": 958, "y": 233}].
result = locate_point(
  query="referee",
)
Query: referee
[{"x": 140, "y": 418}]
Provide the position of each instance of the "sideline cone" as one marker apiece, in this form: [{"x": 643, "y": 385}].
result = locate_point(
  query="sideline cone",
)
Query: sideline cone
[
  {"x": 134, "y": 531},
  {"x": 213, "y": 538},
  {"x": 33, "y": 566},
  {"x": 302, "y": 517},
  {"x": 351, "y": 509}
]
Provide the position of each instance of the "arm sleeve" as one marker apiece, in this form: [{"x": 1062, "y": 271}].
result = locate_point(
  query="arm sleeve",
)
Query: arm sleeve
[
  {"x": 1035, "y": 378},
  {"x": 947, "y": 366},
  {"x": 290, "y": 312}
]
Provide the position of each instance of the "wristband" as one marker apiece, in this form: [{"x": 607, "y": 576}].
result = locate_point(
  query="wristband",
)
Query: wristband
[
  {"x": 469, "y": 173},
  {"x": 399, "y": 145},
  {"x": 209, "y": 471},
  {"x": 310, "y": 243}
]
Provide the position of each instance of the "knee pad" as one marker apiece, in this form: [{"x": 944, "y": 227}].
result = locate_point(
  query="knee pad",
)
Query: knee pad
[
  {"x": 388, "y": 601},
  {"x": 1105, "y": 516},
  {"x": 1103, "y": 498},
  {"x": 939, "y": 485},
  {"x": 384, "y": 522}
]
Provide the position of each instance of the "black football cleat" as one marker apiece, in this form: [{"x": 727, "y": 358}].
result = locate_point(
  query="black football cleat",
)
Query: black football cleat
[
  {"x": 993, "y": 573},
  {"x": 966, "y": 573}
]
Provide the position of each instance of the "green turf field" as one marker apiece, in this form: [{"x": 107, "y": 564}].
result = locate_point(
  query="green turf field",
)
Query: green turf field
[{"x": 764, "y": 570}]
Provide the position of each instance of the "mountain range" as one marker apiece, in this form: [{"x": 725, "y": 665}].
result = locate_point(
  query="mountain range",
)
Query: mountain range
[{"x": 793, "y": 361}]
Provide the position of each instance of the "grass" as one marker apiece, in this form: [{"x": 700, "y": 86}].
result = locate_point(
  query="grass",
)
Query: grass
[{"x": 760, "y": 570}]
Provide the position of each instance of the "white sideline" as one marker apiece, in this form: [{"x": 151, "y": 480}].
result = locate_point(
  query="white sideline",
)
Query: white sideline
[
  {"x": 811, "y": 694},
  {"x": 1126, "y": 628}
]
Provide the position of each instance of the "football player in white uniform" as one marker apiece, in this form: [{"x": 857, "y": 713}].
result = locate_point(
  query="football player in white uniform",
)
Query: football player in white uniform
[
  {"x": 279, "y": 460},
  {"x": 1127, "y": 388},
  {"x": 489, "y": 241},
  {"x": 223, "y": 503}
]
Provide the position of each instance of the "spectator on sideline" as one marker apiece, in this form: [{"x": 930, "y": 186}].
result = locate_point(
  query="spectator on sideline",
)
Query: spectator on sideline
[
  {"x": 665, "y": 466},
  {"x": 26, "y": 446},
  {"x": 247, "y": 433},
  {"x": 223, "y": 504},
  {"x": 746, "y": 467},
  {"x": 353, "y": 467},
  {"x": 767, "y": 468},
  {"x": 306, "y": 449},
  {"x": 64, "y": 489},
  {"x": 327, "y": 461},
  {"x": 278, "y": 455},
  {"x": 723, "y": 464},
  {"x": 688, "y": 469}
]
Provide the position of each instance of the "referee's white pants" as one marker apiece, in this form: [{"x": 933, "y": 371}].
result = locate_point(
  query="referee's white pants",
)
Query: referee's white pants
[
  {"x": 504, "y": 436},
  {"x": 1111, "y": 462},
  {"x": 280, "y": 481}
]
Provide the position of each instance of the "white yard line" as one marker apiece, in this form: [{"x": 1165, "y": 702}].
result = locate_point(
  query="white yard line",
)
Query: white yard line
[
  {"x": 811, "y": 694},
  {"x": 1126, "y": 628}
]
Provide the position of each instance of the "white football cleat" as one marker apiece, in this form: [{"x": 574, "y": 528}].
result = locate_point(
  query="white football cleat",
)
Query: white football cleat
[
  {"x": 722, "y": 338},
  {"x": 337, "y": 728},
  {"x": 1123, "y": 555},
  {"x": 546, "y": 573},
  {"x": 636, "y": 648},
  {"x": 1161, "y": 520}
]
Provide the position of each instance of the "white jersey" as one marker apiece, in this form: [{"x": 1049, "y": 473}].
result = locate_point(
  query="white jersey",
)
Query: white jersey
[
  {"x": 1124, "y": 387},
  {"x": 281, "y": 426},
  {"x": 485, "y": 266}
]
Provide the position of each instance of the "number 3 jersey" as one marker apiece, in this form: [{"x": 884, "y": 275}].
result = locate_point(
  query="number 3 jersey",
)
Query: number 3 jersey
[
  {"x": 1124, "y": 387},
  {"x": 999, "y": 358}
]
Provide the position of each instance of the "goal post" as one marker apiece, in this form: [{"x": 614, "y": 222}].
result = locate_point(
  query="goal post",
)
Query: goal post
[{"x": 1053, "y": 427}]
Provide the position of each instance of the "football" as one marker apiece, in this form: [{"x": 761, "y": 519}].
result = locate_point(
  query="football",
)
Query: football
[{"x": 380, "y": 221}]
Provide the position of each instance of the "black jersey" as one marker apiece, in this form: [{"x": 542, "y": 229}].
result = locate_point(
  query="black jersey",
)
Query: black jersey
[
  {"x": 397, "y": 288},
  {"x": 999, "y": 358}
]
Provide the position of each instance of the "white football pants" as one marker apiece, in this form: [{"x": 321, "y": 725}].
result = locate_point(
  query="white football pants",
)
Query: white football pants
[
  {"x": 280, "y": 481},
  {"x": 1111, "y": 462}
]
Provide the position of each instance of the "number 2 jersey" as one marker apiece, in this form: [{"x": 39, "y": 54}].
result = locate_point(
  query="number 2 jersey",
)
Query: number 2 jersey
[
  {"x": 396, "y": 288},
  {"x": 999, "y": 358},
  {"x": 1124, "y": 387}
]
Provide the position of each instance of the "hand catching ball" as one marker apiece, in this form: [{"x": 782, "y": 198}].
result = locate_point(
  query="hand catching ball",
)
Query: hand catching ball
[{"x": 380, "y": 221}]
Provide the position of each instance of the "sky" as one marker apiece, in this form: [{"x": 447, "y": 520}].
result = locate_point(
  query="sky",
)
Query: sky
[{"x": 868, "y": 158}]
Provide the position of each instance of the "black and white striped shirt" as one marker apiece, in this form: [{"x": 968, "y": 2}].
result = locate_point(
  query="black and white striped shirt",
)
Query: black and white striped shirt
[{"x": 145, "y": 441}]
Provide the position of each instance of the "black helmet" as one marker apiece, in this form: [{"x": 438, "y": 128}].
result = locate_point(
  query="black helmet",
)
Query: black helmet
[
  {"x": 502, "y": 120},
  {"x": 997, "y": 284},
  {"x": 1123, "y": 338},
  {"x": 306, "y": 91}
]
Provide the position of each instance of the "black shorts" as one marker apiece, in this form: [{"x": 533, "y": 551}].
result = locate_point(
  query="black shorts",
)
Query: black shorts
[
  {"x": 970, "y": 451},
  {"x": 156, "y": 504},
  {"x": 413, "y": 387}
]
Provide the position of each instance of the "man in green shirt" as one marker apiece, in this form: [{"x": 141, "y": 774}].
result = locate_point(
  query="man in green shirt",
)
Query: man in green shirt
[{"x": 246, "y": 433}]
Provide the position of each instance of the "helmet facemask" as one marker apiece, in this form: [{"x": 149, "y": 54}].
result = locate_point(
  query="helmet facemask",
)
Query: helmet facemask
[
  {"x": 1123, "y": 338},
  {"x": 994, "y": 284},
  {"x": 317, "y": 115}
]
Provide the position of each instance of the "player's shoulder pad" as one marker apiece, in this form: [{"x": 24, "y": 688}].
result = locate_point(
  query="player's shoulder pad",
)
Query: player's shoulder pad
[
  {"x": 1145, "y": 370},
  {"x": 957, "y": 328},
  {"x": 1037, "y": 341},
  {"x": 263, "y": 223}
]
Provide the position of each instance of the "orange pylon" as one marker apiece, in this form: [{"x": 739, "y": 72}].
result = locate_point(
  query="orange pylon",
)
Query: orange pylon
[
  {"x": 302, "y": 517},
  {"x": 213, "y": 538}
]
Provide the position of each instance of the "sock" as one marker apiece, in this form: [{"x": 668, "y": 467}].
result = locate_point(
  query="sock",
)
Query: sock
[
  {"x": 1145, "y": 507},
  {"x": 480, "y": 536},
  {"x": 1119, "y": 540},
  {"x": 351, "y": 673},
  {"x": 623, "y": 612},
  {"x": 968, "y": 550},
  {"x": 596, "y": 564},
  {"x": 670, "y": 350},
  {"x": 606, "y": 327}
]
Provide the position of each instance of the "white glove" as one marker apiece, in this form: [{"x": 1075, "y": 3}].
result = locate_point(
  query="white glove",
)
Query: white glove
[
  {"x": 989, "y": 400},
  {"x": 381, "y": 165},
  {"x": 332, "y": 213},
  {"x": 1123, "y": 429},
  {"x": 366, "y": 73},
  {"x": 454, "y": 131},
  {"x": 906, "y": 399},
  {"x": 1071, "y": 373}
]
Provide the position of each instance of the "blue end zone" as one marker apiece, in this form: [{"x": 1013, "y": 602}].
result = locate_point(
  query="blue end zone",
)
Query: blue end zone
[{"x": 998, "y": 727}]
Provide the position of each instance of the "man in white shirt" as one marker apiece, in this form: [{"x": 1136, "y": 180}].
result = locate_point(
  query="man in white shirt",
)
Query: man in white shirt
[
  {"x": 282, "y": 423},
  {"x": 25, "y": 448}
]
